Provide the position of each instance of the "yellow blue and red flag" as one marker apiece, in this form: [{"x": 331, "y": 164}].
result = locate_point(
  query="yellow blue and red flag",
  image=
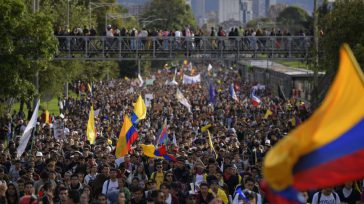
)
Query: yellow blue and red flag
[
  {"x": 153, "y": 152},
  {"x": 140, "y": 111},
  {"x": 163, "y": 136},
  {"x": 328, "y": 148},
  {"x": 127, "y": 137}
]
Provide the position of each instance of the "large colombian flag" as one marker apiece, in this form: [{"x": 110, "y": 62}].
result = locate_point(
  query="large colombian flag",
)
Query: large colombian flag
[
  {"x": 328, "y": 148},
  {"x": 127, "y": 137}
]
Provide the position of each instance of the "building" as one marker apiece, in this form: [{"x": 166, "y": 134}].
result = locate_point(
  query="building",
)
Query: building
[
  {"x": 199, "y": 10},
  {"x": 229, "y": 10},
  {"x": 261, "y": 8},
  {"x": 246, "y": 9}
]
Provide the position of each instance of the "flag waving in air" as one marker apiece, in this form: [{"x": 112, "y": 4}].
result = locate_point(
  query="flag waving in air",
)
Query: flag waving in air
[
  {"x": 161, "y": 152},
  {"x": 183, "y": 100},
  {"x": 127, "y": 137},
  {"x": 90, "y": 132},
  {"x": 328, "y": 148},
  {"x": 212, "y": 93},
  {"x": 232, "y": 93},
  {"x": 163, "y": 136},
  {"x": 255, "y": 99},
  {"x": 140, "y": 111}
]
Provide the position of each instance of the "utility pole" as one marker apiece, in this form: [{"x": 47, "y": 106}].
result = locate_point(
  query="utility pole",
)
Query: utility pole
[
  {"x": 316, "y": 41},
  {"x": 36, "y": 76}
]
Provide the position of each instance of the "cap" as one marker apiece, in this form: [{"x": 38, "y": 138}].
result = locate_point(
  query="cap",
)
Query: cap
[
  {"x": 267, "y": 142},
  {"x": 39, "y": 154}
]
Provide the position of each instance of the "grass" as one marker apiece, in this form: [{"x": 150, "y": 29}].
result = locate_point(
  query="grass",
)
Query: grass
[
  {"x": 51, "y": 106},
  {"x": 294, "y": 64}
]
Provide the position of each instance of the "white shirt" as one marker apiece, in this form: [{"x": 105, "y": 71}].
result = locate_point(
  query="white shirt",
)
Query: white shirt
[
  {"x": 89, "y": 178},
  {"x": 169, "y": 199},
  {"x": 237, "y": 201},
  {"x": 326, "y": 199},
  {"x": 113, "y": 186},
  {"x": 177, "y": 33}
]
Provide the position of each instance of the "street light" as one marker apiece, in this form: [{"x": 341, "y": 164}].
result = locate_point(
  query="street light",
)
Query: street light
[
  {"x": 115, "y": 16},
  {"x": 145, "y": 23},
  {"x": 93, "y": 5},
  {"x": 68, "y": 14}
]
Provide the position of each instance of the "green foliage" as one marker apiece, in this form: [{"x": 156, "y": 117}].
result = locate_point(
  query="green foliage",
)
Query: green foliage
[
  {"x": 27, "y": 45},
  {"x": 255, "y": 23},
  {"x": 344, "y": 24},
  {"x": 295, "y": 18},
  {"x": 176, "y": 14}
]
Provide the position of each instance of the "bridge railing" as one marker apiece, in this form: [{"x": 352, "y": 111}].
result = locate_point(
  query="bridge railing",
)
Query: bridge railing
[{"x": 130, "y": 47}]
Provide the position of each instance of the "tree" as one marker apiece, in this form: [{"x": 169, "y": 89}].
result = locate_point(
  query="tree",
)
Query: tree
[
  {"x": 295, "y": 18},
  {"x": 168, "y": 14},
  {"x": 275, "y": 10},
  {"x": 27, "y": 46},
  {"x": 343, "y": 24},
  {"x": 258, "y": 22}
]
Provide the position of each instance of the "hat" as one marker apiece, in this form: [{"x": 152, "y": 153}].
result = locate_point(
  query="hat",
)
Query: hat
[
  {"x": 39, "y": 154},
  {"x": 267, "y": 142}
]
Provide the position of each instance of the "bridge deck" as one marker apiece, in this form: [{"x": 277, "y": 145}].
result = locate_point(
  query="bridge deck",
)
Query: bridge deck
[{"x": 167, "y": 48}]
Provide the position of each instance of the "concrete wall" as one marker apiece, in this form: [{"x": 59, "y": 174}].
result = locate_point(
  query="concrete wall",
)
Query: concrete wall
[{"x": 274, "y": 79}]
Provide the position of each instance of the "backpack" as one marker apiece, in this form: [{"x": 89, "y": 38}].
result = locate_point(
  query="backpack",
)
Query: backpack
[{"x": 319, "y": 197}]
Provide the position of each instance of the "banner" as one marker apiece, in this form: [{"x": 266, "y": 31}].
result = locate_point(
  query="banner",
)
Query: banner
[
  {"x": 191, "y": 79},
  {"x": 58, "y": 128},
  {"x": 148, "y": 99},
  {"x": 27, "y": 132}
]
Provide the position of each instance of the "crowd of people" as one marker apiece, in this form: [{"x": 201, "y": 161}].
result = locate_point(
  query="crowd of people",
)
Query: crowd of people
[
  {"x": 66, "y": 168},
  {"x": 255, "y": 39}
]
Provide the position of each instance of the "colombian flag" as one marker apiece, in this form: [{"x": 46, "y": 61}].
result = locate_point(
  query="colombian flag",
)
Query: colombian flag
[
  {"x": 140, "y": 111},
  {"x": 127, "y": 137},
  {"x": 328, "y": 148},
  {"x": 161, "y": 152}
]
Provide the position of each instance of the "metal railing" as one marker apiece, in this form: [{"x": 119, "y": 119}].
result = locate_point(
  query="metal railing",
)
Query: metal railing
[{"x": 165, "y": 48}]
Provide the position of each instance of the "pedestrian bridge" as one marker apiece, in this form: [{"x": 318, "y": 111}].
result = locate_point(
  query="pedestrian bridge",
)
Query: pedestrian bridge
[{"x": 193, "y": 48}]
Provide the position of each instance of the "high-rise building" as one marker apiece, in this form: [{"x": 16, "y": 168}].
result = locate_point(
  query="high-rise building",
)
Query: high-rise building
[
  {"x": 229, "y": 10},
  {"x": 246, "y": 8},
  {"x": 261, "y": 7},
  {"x": 198, "y": 7}
]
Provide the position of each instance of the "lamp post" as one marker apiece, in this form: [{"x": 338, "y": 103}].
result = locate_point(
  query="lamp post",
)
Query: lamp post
[
  {"x": 68, "y": 14},
  {"x": 93, "y": 5}
]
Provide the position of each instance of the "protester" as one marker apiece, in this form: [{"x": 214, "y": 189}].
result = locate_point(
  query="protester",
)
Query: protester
[{"x": 72, "y": 170}]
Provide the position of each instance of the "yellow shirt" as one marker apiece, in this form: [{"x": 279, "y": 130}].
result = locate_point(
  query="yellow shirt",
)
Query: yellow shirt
[
  {"x": 158, "y": 177},
  {"x": 221, "y": 194}
]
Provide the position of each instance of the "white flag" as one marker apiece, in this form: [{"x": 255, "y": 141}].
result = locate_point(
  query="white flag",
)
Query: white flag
[
  {"x": 27, "y": 132},
  {"x": 141, "y": 80},
  {"x": 189, "y": 68},
  {"x": 175, "y": 74},
  {"x": 209, "y": 67},
  {"x": 97, "y": 112},
  {"x": 174, "y": 140},
  {"x": 183, "y": 100},
  {"x": 191, "y": 79}
]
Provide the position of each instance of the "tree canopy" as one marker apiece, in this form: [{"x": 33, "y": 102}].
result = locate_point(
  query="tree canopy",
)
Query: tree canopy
[
  {"x": 27, "y": 45},
  {"x": 168, "y": 14},
  {"x": 343, "y": 24},
  {"x": 295, "y": 18}
]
